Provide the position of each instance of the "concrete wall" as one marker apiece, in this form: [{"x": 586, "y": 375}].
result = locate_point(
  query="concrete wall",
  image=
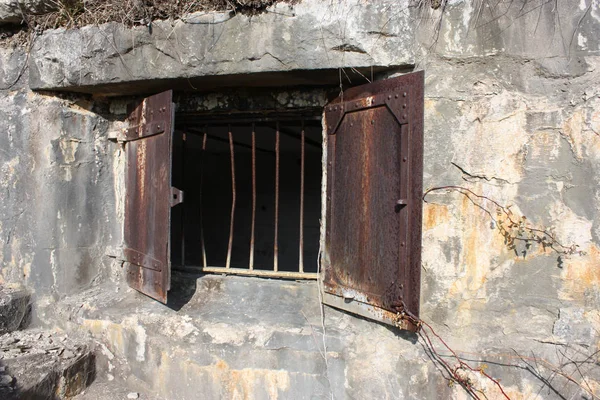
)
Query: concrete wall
[
  {"x": 511, "y": 113},
  {"x": 58, "y": 214}
]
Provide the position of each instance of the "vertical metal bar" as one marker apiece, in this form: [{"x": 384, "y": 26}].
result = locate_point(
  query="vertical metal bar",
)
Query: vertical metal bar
[
  {"x": 301, "y": 250},
  {"x": 251, "y": 263},
  {"x": 183, "y": 205},
  {"x": 202, "y": 244},
  {"x": 229, "y": 247},
  {"x": 276, "y": 245}
]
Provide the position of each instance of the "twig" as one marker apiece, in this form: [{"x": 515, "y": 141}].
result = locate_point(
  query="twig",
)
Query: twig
[
  {"x": 509, "y": 224},
  {"x": 461, "y": 364}
]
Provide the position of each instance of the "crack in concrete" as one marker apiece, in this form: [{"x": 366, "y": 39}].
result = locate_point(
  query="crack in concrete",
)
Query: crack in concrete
[
  {"x": 349, "y": 48},
  {"x": 481, "y": 176}
]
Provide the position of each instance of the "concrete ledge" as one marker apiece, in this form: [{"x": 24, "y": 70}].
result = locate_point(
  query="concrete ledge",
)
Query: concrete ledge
[
  {"x": 230, "y": 337},
  {"x": 312, "y": 35}
]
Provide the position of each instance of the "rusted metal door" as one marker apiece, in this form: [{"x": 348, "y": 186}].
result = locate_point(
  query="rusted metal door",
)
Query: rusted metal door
[
  {"x": 149, "y": 195},
  {"x": 372, "y": 256}
]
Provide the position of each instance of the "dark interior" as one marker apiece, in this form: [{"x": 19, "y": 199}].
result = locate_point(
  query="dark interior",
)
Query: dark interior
[{"x": 205, "y": 176}]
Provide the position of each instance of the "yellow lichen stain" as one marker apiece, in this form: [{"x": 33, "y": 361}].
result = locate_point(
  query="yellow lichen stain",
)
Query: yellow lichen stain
[
  {"x": 480, "y": 244},
  {"x": 236, "y": 383},
  {"x": 113, "y": 333},
  {"x": 163, "y": 372},
  {"x": 434, "y": 215},
  {"x": 222, "y": 365},
  {"x": 580, "y": 274},
  {"x": 242, "y": 384},
  {"x": 430, "y": 105}
]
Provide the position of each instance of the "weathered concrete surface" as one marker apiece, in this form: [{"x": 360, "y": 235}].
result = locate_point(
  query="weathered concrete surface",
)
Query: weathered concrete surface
[
  {"x": 58, "y": 214},
  {"x": 553, "y": 33},
  {"x": 312, "y": 35},
  {"x": 15, "y": 309},
  {"x": 42, "y": 364},
  {"x": 236, "y": 337},
  {"x": 111, "y": 390},
  {"x": 510, "y": 113},
  {"x": 246, "y": 338}
]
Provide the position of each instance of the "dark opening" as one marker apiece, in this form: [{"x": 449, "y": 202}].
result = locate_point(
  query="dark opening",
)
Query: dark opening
[{"x": 204, "y": 156}]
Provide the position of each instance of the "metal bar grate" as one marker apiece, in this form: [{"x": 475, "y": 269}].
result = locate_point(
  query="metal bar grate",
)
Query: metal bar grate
[
  {"x": 253, "y": 225},
  {"x": 276, "y": 239},
  {"x": 276, "y": 187},
  {"x": 233, "y": 195},
  {"x": 301, "y": 249},
  {"x": 202, "y": 243}
]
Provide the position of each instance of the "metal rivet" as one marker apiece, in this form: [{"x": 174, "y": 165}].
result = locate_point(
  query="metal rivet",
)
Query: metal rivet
[
  {"x": 404, "y": 94},
  {"x": 372, "y": 122},
  {"x": 404, "y": 116},
  {"x": 403, "y": 105},
  {"x": 402, "y": 244},
  {"x": 404, "y": 159},
  {"x": 389, "y": 96},
  {"x": 396, "y": 95}
]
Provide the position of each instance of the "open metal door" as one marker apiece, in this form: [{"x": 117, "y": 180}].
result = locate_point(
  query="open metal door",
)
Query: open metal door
[
  {"x": 149, "y": 195},
  {"x": 372, "y": 257}
]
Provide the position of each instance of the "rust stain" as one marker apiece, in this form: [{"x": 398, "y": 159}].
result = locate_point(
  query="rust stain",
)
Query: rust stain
[
  {"x": 474, "y": 245},
  {"x": 581, "y": 274},
  {"x": 243, "y": 383},
  {"x": 434, "y": 215},
  {"x": 430, "y": 106},
  {"x": 480, "y": 245},
  {"x": 222, "y": 365}
]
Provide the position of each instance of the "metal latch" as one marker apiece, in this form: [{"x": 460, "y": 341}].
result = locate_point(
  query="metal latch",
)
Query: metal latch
[
  {"x": 400, "y": 204},
  {"x": 176, "y": 196}
]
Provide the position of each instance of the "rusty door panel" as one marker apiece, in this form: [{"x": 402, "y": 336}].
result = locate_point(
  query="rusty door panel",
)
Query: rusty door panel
[
  {"x": 148, "y": 195},
  {"x": 372, "y": 253}
]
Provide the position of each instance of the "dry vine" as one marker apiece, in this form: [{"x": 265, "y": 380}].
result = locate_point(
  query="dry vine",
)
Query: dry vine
[
  {"x": 512, "y": 227},
  {"x": 77, "y": 13},
  {"x": 458, "y": 373}
]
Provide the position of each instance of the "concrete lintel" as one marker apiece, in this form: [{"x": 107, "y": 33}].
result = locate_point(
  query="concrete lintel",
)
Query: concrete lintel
[{"x": 310, "y": 36}]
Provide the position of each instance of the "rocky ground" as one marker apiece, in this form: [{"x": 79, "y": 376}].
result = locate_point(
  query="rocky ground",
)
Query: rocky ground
[{"x": 41, "y": 363}]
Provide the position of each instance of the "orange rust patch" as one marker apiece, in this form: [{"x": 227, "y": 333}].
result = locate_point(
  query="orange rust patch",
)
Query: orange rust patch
[
  {"x": 222, "y": 365},
  {"x": 580, "y": 274},
  {"x": 434, "y": 215}
]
